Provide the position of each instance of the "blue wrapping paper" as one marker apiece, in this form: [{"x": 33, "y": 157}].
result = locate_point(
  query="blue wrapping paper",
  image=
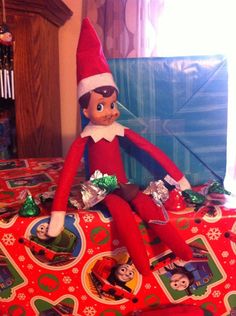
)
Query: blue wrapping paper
[{"x": 179, "y": 104}]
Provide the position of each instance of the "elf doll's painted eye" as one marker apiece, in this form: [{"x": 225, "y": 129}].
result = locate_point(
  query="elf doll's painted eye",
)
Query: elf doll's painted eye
[
  {"x": 100, "y": 107},
  {"x": 113, "y": 105}
]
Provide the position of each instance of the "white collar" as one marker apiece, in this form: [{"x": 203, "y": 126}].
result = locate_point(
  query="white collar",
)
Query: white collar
[{"x": 98, "y": 132}]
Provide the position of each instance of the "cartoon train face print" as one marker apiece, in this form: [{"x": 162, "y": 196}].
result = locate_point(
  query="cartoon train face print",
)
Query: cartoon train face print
[
  {"x": 190, "y": 276},
  {"x": 11, "y": 278},
  {"x": 111, "y": 278},
  {"x": 196, "y": 277},
  {"x": 58, "y": 251},
  {"x": 6, "y": 277}
]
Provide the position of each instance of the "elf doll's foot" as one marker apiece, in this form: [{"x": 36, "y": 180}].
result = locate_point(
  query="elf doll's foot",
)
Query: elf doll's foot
[{"x": 56, "y": 224}]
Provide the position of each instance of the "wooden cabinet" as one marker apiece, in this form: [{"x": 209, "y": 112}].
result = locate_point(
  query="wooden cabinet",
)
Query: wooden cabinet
[{"x": 35, "y": 25}]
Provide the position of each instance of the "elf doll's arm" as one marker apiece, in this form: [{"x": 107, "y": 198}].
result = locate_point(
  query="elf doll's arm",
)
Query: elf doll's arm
[
  {"x": 158, "y": 155},
  {"x": 66, "y": 179}
]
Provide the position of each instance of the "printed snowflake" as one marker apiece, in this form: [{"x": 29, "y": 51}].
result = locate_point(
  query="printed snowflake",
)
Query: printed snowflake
[
  {"x": 83, "y": 297},
  {"x": 194, "y": 230},
  {"x": 216, "y": 294},
  {"x": 71, "y": 289},
  {"x": 227, "y": 286},
  {"x": 122, "y": 307},
  {"x": 30, "y": 266},
  {"x": 21, "y": 258},
  {"x": 90, "y": 251},
  {"x": 214, "y": 233},
  {"x": 115, "y": 242},
  {"x": 88, "y": 218},
  {"x": 21, "y": 296},
  {"x": 8, "y": 239},
  {"x": 225, "y": 254},
  {"x": 75, "y": 270},
  {"x": 232, "y": 262},
  {"x": 147, "y": 286},
  {"x": 89, "y": 311},
  {"x": 66, "y": 279}
]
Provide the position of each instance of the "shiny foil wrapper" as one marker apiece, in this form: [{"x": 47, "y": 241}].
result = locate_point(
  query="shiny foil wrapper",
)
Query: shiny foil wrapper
[
  {"x": 94, "y": 190},
  {"x": 86, "y": 194},
  {"x": 193, "y": 197},
  {"x": 90, "y": 195},
  {"x": 158, "y": 191},
  {"x": 29, "y": 208},
  {"x": 216, "y": 187},
  {"x": 104, "y": 181}
]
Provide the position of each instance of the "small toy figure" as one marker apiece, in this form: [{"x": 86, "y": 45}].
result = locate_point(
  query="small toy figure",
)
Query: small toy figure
[{"x": 97, "y": 94}]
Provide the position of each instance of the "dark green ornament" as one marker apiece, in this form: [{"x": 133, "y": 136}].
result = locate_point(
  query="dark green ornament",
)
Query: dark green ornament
[{"x": 29, "y": 208}]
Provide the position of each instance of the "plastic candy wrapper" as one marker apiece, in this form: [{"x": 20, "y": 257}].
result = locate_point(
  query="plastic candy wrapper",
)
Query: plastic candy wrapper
[
  {"x": 170, "y": 200},
  {"x": 104, "y": 181},
  {"x": 193, "y": 197},
  {"x": 88, "y": 193},
  {"x": 94, "y": 190},
  {"x": 216, "y": 187},
  {"x": 158, "y": 191},
  {"x": 160, "y": 194},
  {"x": 29, "y": 208},
  {"x": 211, "y": 194}
]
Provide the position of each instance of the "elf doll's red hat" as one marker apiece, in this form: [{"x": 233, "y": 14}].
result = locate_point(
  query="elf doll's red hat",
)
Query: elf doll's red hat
[{"x": 92, "y": 68}]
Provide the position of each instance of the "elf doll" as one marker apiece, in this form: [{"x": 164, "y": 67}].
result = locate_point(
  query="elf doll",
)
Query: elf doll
[{"x": 97, "y": 94}]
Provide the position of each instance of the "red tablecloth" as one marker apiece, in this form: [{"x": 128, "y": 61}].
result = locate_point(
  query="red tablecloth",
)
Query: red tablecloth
[{"x": 75, "y": 273}]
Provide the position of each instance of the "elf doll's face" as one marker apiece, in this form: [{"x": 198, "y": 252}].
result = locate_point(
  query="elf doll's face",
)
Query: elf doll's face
[{"x": 102, "y": 110}]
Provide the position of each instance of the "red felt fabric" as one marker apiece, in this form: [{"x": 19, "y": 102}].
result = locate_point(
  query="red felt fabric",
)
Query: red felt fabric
[
  {"x": 147, "y": 209},
  {"x": 90, "y": 58},
  {"x": 68, "y": 173},
  {"x": 105, "y": 156}
]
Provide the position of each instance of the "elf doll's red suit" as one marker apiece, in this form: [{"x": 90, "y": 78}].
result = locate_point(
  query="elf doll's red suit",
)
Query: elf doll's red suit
[{"x": 101, "y": 136}]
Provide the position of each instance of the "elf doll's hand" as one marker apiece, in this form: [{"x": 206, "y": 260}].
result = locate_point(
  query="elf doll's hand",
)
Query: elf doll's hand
[
  {"x": 184, "y": 184},
  {"x": 56, "y": 224}
]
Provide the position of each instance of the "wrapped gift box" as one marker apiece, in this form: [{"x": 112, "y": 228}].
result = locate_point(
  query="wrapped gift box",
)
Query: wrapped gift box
[
  {"x": 179, "y": 104},
  {"x": 74, "y": 273}
]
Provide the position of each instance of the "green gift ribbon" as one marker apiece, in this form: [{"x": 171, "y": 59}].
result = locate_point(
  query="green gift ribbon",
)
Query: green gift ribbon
[{"x": 109, "y": 183}]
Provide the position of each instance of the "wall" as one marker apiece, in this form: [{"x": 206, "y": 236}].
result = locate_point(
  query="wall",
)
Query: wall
[{"x": 68, "y": 39}]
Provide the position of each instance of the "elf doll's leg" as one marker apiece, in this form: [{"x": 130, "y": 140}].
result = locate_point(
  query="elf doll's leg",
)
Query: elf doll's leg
[
  {"x": 128, "y": 231},
  {"x": 148, "y": 210}
]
